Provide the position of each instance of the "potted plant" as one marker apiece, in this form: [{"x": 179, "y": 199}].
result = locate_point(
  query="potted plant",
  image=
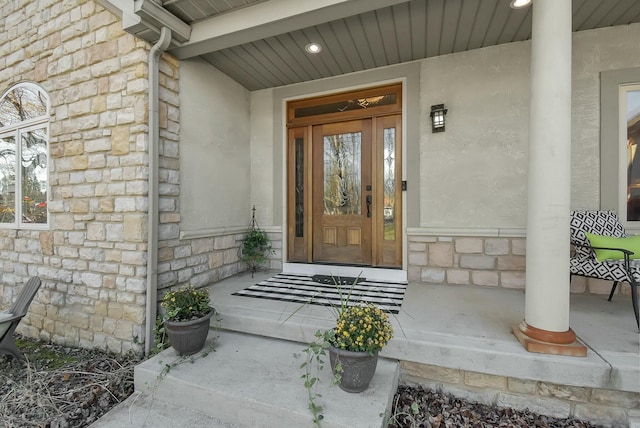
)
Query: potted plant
[
  {"x": 187, "y": 316},
  {"x": 255, "y": 246},
  {"x": 360, "y": 332},
  {"x": 255, "y": 249}
]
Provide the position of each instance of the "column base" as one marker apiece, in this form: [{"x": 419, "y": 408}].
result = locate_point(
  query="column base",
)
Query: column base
[{"x": 549, "y": 342}]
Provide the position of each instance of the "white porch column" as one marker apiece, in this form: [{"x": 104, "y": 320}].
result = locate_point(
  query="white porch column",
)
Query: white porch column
[{"x": 546, "y": 325}]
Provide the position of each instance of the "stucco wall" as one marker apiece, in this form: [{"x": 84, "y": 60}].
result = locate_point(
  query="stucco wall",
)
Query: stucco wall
[
  {"x": 262, "y": 156},
  {"x": 596, "y": 51},
  {"x": 217, "y": 170},
  {"x": 479, "y": 165},
  {"x": 475, "y": 173},
  {"x": 214, "y": 143}
]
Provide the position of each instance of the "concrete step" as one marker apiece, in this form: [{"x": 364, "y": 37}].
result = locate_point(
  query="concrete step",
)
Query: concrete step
[
  {"x": 143, "y": 410},
  {"x": 251, "y": 381}
]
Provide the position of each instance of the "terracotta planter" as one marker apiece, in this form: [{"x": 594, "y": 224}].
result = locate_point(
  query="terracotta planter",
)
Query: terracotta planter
[
  {"x": 358, "y": 368},
  {"x": 188, "y": 337}
]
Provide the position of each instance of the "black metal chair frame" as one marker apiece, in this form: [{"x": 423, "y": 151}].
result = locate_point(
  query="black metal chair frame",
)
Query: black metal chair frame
[{"x": 627, "y": 267}]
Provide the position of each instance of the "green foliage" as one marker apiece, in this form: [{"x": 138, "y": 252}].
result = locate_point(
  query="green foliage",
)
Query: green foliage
[
  {"x": 185, "y": 304},
  {"x": 160, "y": 338},
  {"x": 255, "y": 248},
  {"x": 314, "y": 364},
  {"x": 40, "y": 354}
]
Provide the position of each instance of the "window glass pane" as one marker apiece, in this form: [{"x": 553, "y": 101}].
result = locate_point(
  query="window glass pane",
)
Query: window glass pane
[
  {"x": 299, "y": 187},
  {"x": 34, "y": 176},
  {"x": 7, "y": 179},
  {"x": 342, "y": 173},
  {"x": 633, "y": 155},
  {"x": 389, "y": 167},
  {"x": 22, "y": 103}
]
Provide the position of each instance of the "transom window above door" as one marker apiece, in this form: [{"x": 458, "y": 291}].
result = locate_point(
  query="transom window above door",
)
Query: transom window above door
[{"x": 357, "y": 104}]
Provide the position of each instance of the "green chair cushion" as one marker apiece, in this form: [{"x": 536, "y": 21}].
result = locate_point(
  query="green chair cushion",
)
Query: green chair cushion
[{"x": 631, "y": 243}]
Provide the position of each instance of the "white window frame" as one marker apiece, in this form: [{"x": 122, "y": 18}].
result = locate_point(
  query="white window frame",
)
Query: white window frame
[
  {"x": 622, "y": 151},
  {"x": 16, "y": 130},
  {"x": 613, "y": 171}
]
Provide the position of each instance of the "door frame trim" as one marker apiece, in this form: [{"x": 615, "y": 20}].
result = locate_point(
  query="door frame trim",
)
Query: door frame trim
[{"x": 282, "y": 123}]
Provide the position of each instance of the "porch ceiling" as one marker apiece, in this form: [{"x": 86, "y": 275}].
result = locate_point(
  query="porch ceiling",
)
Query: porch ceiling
[{"x": 260, "y": 43}]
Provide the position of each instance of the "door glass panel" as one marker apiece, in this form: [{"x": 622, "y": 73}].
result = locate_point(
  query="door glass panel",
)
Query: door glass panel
[
  {"x": 342, "y": 173},
  {"x": 389, "y": 183},
  {"x": 7, "y": 179},
  {"x": 299, "y": 187},
  {"x": 34, "y": 176}
]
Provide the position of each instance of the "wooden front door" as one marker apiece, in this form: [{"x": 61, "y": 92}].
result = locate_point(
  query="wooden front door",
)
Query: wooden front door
[
  {"x": 344, "y": 179},
  {"x": 342, "y": 192}
]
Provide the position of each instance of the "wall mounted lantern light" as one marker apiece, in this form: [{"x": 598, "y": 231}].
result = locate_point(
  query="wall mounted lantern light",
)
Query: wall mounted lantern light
[{"x": 437, "y": 117}]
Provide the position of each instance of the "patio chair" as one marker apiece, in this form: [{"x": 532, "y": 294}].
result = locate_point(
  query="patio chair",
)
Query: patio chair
[
  {"x": 614, "y": 261},
  {"x": 9, "y": 320}
]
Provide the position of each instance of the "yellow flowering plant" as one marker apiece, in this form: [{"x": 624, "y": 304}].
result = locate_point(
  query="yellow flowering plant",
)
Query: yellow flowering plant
[
  {"x": 362, "y": 328},
  {"x": 186, "y": 303}
]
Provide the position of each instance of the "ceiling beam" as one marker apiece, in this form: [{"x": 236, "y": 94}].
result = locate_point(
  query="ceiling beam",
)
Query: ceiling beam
[{"x": 268, "y": 19}]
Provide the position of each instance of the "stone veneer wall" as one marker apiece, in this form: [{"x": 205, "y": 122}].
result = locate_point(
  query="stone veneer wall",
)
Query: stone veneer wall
[
  {"x": 602, "y": 406},
  {"x": 493, "y": 262},
  {"x": 483, "y": 261},
  {"x": 203, "y": 261},
  {"x": 92, "y": 260}
]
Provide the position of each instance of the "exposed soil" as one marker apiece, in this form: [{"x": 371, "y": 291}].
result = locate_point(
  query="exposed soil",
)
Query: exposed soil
[{"x": 64, "y": 387}]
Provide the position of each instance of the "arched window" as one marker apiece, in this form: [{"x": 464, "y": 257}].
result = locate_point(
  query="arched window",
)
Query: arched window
[{"x": 24, "y": 136}]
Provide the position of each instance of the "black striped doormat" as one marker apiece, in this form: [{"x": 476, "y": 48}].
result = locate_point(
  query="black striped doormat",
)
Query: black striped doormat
[{"x": 303, "y": 289}]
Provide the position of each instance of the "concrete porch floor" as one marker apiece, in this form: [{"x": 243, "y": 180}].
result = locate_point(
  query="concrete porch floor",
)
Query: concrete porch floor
[
  {"x": 252, "y": 379},
  {"x": 466, "y": 328}
]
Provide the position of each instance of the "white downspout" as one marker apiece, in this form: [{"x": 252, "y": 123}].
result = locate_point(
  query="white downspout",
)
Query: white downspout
[{"x": 153, "y": 214}]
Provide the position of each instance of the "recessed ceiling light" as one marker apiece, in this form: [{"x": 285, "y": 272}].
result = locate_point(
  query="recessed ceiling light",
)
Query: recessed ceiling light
[
  {"x": 517, "y": 4},
  {"x": 313, "y": 48}
]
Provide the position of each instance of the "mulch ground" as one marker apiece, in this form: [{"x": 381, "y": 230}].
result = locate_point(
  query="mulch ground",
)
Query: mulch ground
[
  {"x": 63, "y": 387},
  {"x": 416, "y": 407}
]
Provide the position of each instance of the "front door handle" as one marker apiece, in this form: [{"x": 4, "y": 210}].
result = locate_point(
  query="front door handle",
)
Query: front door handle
[{"x": 368, "y": 199}]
